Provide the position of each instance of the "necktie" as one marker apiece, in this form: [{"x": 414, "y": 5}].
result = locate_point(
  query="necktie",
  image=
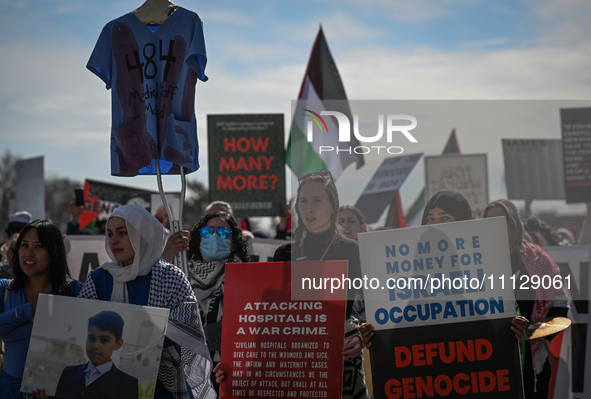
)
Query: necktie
[{"x": 94, "y": 373}]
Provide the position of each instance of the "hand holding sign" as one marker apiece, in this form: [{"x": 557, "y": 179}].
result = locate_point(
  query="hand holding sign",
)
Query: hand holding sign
[
  {"x": 519, "y": 323},
  {"x": 219, "y": 373},
  {"x": 352, "y": 348},
  {"x": 366, "y": 332},
  {"x": 176, "y": 243}
]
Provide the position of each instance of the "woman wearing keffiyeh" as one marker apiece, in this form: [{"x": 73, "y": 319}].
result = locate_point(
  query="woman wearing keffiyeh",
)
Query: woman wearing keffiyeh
[
  {"x": 137, "y": 275},
  {"x": 530, "y": 259},
  {"x": 215, "y": 241}
]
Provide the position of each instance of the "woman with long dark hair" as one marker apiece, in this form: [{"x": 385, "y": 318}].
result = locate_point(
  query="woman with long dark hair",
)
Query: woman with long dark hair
[
  {"x": 531, "y": 260},
  {"x": 215, "y": 240},
  {"x": 39, "y": 266},
  {"x": 317, "y": 237}
]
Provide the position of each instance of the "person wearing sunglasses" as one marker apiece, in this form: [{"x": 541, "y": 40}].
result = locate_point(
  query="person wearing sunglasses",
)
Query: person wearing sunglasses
[
  {"x": 318, "y": 237},
  {"x": 215, "y": 240}
]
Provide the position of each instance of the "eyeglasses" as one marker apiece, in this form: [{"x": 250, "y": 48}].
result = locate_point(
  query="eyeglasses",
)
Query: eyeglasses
[
  {"x": 223, "y": 232},
  {"x": 319, "y": 173}
]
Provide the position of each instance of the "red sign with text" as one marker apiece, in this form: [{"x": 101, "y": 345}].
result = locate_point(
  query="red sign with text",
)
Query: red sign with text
[{"x": 273, "y": 346}]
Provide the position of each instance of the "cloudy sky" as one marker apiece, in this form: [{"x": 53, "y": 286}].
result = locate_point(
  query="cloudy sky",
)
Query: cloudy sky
[{"x": 51, "y": 105}]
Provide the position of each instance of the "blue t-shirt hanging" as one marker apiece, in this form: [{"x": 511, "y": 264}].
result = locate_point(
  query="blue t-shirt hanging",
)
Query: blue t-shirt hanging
[{"x": 152, "y": 75}]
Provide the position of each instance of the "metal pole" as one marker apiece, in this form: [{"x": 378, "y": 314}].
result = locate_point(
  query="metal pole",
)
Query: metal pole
[
  {"x": 177, "y": 225},
  {"x": 180, "y": 259}
]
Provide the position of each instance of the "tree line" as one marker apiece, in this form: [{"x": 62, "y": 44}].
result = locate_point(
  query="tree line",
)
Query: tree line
[{"x": 60, "y": 190}]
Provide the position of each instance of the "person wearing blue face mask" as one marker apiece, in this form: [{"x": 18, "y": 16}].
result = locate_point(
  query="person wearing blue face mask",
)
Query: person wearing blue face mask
[{"x": 215, "y": 241}]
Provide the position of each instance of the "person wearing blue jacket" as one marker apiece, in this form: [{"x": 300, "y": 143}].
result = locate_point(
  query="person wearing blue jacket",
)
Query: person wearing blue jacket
[{"x": 39, "y": 265}]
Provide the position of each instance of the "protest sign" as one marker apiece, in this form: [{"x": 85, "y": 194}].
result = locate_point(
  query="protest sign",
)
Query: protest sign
[
  {"x": 534, "y": 168},
  {"x": 278, "y": 344},
  {"x": 101, "y": 199},
  {"x": 247, "y": 163},
  {"x": 263, "y": 249},
  {"x": 85, "y": 253},
  {"x": 576, "y": 145},
  {"x": 441, "y": 300},
  {"x": 62, "y": 344},
  {"x": 381, "y": 189},
  {"x": 30, "y": 187},
  {"x": 465, "y": 174},
  {"x": 572, "y": 348}
]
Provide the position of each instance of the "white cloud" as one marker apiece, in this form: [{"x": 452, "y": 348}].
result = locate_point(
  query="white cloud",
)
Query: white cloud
[
  {"x": 539, "y": 73},
  {"x": 561, "y": 22},
  {"x": 69, "y": 6},
  {"x": 498, "y": 41},
  {"x": 410, "y": 11},
  {"x": 226, "y": 17},
  {"x": 57, "y": 101},
  {"x": 338, "y": 26},
  {"x": 237, "y": 52}
]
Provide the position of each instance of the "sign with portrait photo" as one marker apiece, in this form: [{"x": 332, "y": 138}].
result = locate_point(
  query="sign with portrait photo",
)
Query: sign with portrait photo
[{"x": 94, "y": 348}]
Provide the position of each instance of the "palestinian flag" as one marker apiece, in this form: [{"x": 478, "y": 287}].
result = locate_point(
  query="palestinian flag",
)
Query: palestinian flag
[
  {"x": 321, "y": 84},
  {"x": 396, "y": 218},
  {"x": 415, "y": 213}
]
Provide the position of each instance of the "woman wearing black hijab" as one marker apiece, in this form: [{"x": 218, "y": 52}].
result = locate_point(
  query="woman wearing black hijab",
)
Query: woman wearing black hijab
[
  {"x": 450, "y": 206},
  {"x": 446, "y": 206}
]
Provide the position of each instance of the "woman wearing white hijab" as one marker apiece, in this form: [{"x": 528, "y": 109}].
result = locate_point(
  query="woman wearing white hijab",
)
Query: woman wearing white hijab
[{"x": 137, "y": 275}]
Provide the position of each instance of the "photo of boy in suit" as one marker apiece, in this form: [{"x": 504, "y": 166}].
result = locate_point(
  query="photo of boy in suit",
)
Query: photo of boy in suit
[{"x": 99, "y": 378}]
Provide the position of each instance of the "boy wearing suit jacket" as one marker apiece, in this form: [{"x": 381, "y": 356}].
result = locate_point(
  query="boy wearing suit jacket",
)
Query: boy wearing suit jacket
[{"x": 99, "y": 378}]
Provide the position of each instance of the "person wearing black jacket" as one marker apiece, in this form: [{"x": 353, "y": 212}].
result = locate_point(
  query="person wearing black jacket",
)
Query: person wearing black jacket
[{"x": 317, "y": 238}]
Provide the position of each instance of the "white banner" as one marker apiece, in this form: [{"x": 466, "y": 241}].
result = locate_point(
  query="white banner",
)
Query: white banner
[
  {"x": 263, "y": 249},
  {"x": 445, "y": 273},
  {"x": 84, "y": 254}
]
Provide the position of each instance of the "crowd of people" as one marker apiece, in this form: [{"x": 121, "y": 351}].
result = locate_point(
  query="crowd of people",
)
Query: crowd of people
[{"x": 140, "y": 273}]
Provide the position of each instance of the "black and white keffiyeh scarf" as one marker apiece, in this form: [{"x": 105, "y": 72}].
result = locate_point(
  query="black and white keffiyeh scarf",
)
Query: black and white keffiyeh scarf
[
  {"x": 207, "y": 280},
  {"x": 353, "y": 375},
  {"x": 170, "y": 289}
]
